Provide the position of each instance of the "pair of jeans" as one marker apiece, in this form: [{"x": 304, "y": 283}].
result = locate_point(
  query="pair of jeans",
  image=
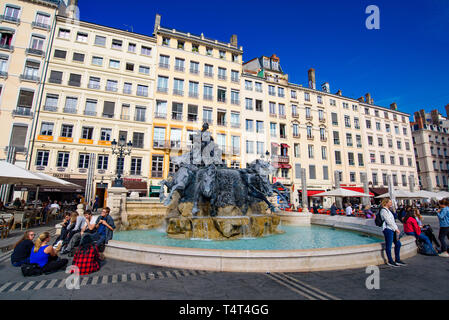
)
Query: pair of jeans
[
  {"x": 98, "y": 238},
  {"x": 390, "y": 238},
  {"x": 20, "y": 263},
  {"x": 422, "y": 237},
  {"x": 444, "y": 232}
]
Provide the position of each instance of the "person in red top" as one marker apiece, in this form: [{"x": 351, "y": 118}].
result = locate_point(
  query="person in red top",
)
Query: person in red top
[
  {"x": 412, "y": 228},
  {"x": 87, "y": 256}
]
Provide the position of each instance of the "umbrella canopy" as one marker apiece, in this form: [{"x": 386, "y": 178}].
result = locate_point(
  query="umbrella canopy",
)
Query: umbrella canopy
[
  {"x": 442, "y": 195},
  {"x": 340, "y": 192},
  {"x": 402, "y": 194},
  {"x": 12, "y": 174},
  {"x": 427, "y": 194}
]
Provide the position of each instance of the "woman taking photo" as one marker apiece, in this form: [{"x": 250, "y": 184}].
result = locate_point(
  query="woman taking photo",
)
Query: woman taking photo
[
  {"x": 443, "y": 217},
  {"x": 391, "y": 233},
  {"x": 412, "y": 228},
  {"x": 46, "y": 256},
  {"x": 22, "y": 249}
]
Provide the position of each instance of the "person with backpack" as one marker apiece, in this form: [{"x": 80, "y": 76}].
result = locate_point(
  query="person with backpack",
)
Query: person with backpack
[
  {"x": 443, "y": 217},
  {"x": 412, "y": 228},
  {"x": 391, "y": 233},
  {"x": 87, "y": 256}
]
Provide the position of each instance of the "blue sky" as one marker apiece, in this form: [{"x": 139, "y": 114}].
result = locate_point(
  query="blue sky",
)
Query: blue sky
[{"x": 406, "y": 61}]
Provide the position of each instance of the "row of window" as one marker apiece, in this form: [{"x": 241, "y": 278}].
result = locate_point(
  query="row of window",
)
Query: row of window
[
  {"x": 209, "y": 51},
  {"x": 63, "y": 158},
  {"x": 91, "y": 107},
  {"x": 178, "y": 90},
  {"x": 99, "y": 61},
  {"x": 164, "y": 63},
  {"x": 102, "y": 41},
  {"x": 394, "y": 176},
  {"x": 382, "y": 159},
  {"x": 87, "y": 133},
  {"x": 95, "y": 83},
  {"x": 12, "y": 13},
  {"x": 387, "y": 128}
]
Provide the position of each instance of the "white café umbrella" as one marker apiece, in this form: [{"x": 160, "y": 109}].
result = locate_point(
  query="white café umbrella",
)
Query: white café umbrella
[
  {"x": 340, "y": 192},
  {"x": 402, "y": 194},
  {"x": 427, "y": 194}
]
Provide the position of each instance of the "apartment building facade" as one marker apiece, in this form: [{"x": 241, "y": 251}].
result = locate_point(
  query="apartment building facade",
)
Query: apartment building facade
[
  {"x": 25, "y": 29},
  {"x": 430, "y": 132},
  {"x": 99, "y": 88},
  {"x": 198, "y": 81}
]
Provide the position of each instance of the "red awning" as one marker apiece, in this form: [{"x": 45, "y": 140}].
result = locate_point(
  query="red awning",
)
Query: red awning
[
  {"x": 285, "y": 145},
  {"x": 275, "y": 144},
  {"x": 285, "y": 166},
  {"x": 361, "y": 190},
  {"x": 311, "y": 193}
]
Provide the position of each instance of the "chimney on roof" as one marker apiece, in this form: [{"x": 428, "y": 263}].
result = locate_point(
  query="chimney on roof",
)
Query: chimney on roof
[
  {"x": 312, "y": 82},
  {"x": 447, "y": 110},
  {"x": 361, "y": 99},
  {"x": 339, "y": 92},
  {"x": 368, "y": 98},
  {"x": 325, "y": 87},
  {"x": 434, "y": 115},
  {"x": 157, "y": 22},
  {"x": 394, "y": 106},
  {"x": 234, "y": 42}
]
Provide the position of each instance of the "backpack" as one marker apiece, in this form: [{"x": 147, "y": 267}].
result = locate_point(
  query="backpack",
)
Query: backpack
[
  {"x": 425, "y": 249},
  {"x": 31, "y": 270},
  {"x": 379, "y": 221}
]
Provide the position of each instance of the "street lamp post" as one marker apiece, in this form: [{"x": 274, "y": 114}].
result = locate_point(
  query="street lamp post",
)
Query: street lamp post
[{"x": 121, "y": 149}]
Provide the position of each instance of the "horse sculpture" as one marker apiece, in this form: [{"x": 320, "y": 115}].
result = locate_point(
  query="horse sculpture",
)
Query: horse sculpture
[{"x": 205, "y": 187}]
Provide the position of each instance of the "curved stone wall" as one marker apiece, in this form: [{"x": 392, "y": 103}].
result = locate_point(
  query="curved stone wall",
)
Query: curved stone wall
[{"x": 267, "y": 261}]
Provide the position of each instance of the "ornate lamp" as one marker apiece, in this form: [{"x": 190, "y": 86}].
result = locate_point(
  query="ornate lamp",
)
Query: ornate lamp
[{"x": 121, "y": 149}]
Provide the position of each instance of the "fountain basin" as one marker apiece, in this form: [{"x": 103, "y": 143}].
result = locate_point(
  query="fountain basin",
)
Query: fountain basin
[{"x": 291, "y": 260}]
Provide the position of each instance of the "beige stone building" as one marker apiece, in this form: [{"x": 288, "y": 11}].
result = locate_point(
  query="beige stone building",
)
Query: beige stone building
[
  {"x": 197, "y": 81},
  {"x": 99, "y": 88},
  {"x": 430, "y": 133},
  {"x": 26, "y": 28}
]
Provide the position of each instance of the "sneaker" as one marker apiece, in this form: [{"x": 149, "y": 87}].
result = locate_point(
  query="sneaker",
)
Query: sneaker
[
  {"x": 444, "y": 254},
  {"x": 392, "y": 264},
  {"x": 400, "y": 263}
]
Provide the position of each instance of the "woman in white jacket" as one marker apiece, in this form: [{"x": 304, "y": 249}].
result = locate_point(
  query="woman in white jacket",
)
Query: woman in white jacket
[{"x": 391, "y": 233}]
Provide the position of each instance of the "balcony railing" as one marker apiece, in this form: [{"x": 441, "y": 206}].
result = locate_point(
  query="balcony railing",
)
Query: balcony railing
[
  {"x": 295, "y": 115},
  {"x": 296, "y": 135},
  {"x": 209, "y": 74},
  {"x": 179, "y": 68},
  {"x": 159, "y": 115},
  {"x": 177, "y": 92},
  {"x": 322, "y": 120},
  {"x": 235, "y": 125},
  {"x": 18, "y": 149},
  {"x": 221, "y": 123},
  {"x": 35, "y": 24},
  {"x": 50, "y": 108},
  {"x": 175, "y": 144},
  {"x": 221, "y": 99},
  {"x": 69, "y": 110},
  {"x": 74, "y": 83},
  {"x": 324, "y": 139},
  {"x": 208, "y": 121},
  {"x": 310, "y": 138},
  {"x": 3, "y": 74},
  {"x": 108, "y": 115},
  {"x": 94, "y": 86},
  {"x": 236, "y": 80},
  {"x": 221, "y": 77},
  {"x": 235, "y": 102},
  {"x": 192, "y": 117},
  {"x": 35, "y": 52},
  {"x": 280, "y": 159},
  {"x": 164, "y": 65},
  {"x": 274, "y": 115},
  {"x": 282, "y": 116},
  {"x": 176, "y": 116},
  {"x": 23, "y": 112},
  {"x": 139, "y": 118},
  {"x": 194, "y": 71},
  {"x": 125, "y": 117},
  {"x": 208, "y": 97},
  {"x": 90, "y": 113},
  {"x": 9, "y": 19},
  {"x": 111, "y": 88},
  {"x": 6, "y": 47},
  {"x": 160, "y": 144},
  {"x": 309, "y": 118},
  {"x": 193, "y": 94},
  {"x": 162, "y": 89},
  {"x": 127, "y": 91},
  {"x": 142, "y": 93}
]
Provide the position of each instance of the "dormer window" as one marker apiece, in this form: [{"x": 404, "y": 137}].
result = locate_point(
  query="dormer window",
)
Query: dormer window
[
  {"x": 165, "y": 41},
  {"x": 222, "y": 54},
  {"x": 195, "y": 48},
  {"x": 275, "y": 65},
  {"x": 181, "y": 45},
  {"x": 209, "y": 51}
]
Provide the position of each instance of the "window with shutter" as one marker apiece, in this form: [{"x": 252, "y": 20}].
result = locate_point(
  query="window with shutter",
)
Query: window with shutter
[
  {"x": 55, "y": 77},
  {"x": 108, "y": 110},
  {"x": 18, "y": 137},
  {"x": 78, "y": 57},
  {"x": 60, "y": 54},
  {"x": 75, "y": 80},
  {"x": 25, "y": 98}
]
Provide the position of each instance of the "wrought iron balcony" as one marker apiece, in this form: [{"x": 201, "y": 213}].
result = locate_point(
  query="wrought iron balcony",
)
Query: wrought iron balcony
[
  {"x": 39, "y": 25},
  {"x": 29, "y": 77},
  {"x": 35, "y": 52},
  {"x": 22, "y": 112},
  {"x": 9, "y": 19}
]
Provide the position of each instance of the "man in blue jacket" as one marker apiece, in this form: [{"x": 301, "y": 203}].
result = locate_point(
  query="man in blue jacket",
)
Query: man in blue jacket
[{"x": 105, "y": 227}]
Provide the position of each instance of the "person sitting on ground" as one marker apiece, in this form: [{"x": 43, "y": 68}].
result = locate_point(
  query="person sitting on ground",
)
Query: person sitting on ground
[
  {"x": 64, "y": 225},
  {"x": 443, "y": 218},
  {"x": 105, "y": 228},
  {"x": 411, "y": 228},
  {"x": 348, "y": 210},
  {"x": 87, "y": 256},
  {"x": 17, "y": 203},
  {"x": 333, "y": 209},
  {"x": 46, "y": 256},
  {"x": 22, "y": 249},
  {"x": 76, "y": 221},
  {"x": 427, "y": 229},
  {"x": 88, "y": 227},
  {"x": 391, "y": 233},
  {"x": 368, "y": 213}
]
